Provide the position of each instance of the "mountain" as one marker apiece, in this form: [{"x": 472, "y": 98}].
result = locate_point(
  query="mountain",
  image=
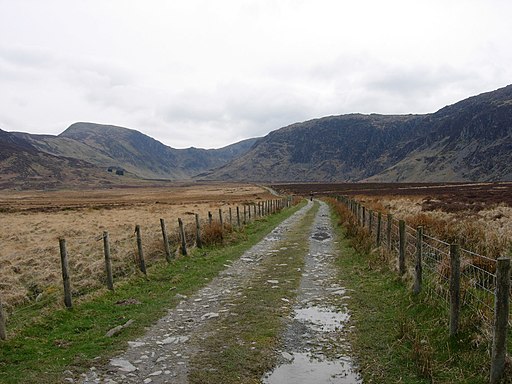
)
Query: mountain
[
  {"x": 467, "y": 141},
  {"x": 23, "y": 165},
  {"x": 122, "y": 148}
]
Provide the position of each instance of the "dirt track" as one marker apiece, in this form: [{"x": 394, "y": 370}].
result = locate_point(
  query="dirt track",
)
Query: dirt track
[{"x": 163, "y": 354}]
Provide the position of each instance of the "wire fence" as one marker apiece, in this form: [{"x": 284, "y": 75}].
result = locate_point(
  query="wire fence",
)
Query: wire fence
[
  {"x": 458, "y": 276},
  {"x": 86, "y": 254},
  {"x": 477, "y": 272}
]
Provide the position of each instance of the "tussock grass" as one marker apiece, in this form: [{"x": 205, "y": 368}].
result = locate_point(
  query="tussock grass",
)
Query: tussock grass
[
  {"x": 487, "y": 231},
  {"x": 29, "y": 254}
]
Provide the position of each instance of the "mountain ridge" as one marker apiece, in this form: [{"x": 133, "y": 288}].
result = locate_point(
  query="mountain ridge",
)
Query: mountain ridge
[
  {"x": 466, "y": 141},
  {"x": 470, "y": 140},
  {"x": 113, "y": 146}
]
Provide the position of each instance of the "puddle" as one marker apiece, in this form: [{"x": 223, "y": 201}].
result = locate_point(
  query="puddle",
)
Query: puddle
[
  {"x": 306, "y": 369},
  {"x": 321, "y": 236},
  {"x": 322, "y": 318}
]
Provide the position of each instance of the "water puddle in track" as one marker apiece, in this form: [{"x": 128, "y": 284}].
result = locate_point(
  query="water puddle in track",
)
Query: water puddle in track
[
  {"x": 305, "y": 369},
  {"x": 312, "y": 366},
  {"x": 321, "y": 318}
]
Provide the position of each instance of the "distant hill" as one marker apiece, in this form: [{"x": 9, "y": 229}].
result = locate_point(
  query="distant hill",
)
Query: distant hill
[
  {"x": 111, "y": 146},
  {"x": 23, "y": 165},
  {"x": 468, "y": 141}
]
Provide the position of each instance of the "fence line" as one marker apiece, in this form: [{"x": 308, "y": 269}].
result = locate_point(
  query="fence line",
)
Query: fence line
[
  {"x": 458, "y": 276},
  {"x": 132, "y": 245}
]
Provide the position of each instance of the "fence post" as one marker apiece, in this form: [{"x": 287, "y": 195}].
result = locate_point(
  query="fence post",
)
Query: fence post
[
  {"x": 165, "y": 236},
  {"x": 230, "y": 217},
  {"x": 418, "y": 277},
  {"x": 388, "y": 231},
  {"x": 364, "y": 216},
  {"x": 454, "y": 288},
  {"x": 199, "y": 243},
  {"x": 249, "y": 209},
  {"x": 401, "y": 247},
  {"x": 142, "y": 262},
  {"x": 3, "y": 333},
  {"x": 220, "y": 219},
  {"x": 108, "y": 262},
  {"x": 370, "y": 220},
  {"x": 65, "y": 273},
  {"x": 501, "y": 314},
  {"x": 210, "y": 218},
  {"x": 238, "y": 216},
  {"x": 183, "y": 239},
  {"x": 245, "y": 214},
  {"x": 379, "y": 229}
]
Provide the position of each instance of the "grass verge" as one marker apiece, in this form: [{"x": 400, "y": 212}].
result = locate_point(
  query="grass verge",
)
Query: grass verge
[
  {"x": 241, "y": 348},
  {"x": 75, "y": 339},
  {"x": 402, "y": 338}
]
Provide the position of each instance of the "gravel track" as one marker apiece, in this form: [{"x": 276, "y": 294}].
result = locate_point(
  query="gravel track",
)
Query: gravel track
[{"x": 163, "y": 353}]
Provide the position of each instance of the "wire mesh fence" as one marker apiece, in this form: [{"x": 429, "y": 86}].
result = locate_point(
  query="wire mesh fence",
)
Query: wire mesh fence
[{"x": 477, "y": 272}]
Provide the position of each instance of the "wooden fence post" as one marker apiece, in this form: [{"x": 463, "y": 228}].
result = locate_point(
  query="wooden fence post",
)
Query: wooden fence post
[
  {"x": 142, "y": 262},
  {"x": 370, "y": 221},
  {"x": 238, "y": 216},
  {"x": 245, "y": 214},
  {"x": 3, "y": 332},
  {"x": 501, "y": 314},
  {"x": 454, "y": 289},
  {"x": 230, "y": 217},
  {"x": 221, "y": 219},
  {"x": 379, "y": 229},
  {"x": 249, "y": 209},
  {"x": 210, "y": 218},
  {"x": 389, "y": 228},
  {"x": 108, "y": 261},
  {"x": 418, "y": 276},
  {"x": 254, "y": 211},
  {"x": 183, "y": 239},
  {"x": 65, "y": 273},
  {"x": 364, "y": 217},
  {"x": 165, "y": 236},
  {"x": 401, "y": 247},
  {"x": 199, "y": 242}
]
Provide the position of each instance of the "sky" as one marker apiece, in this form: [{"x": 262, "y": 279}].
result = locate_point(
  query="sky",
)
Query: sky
[{"x": 209, "y": 73}]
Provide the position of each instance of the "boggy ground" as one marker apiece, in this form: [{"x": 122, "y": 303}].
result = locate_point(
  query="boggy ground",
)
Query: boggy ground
[{"x": 229, "y": 331}]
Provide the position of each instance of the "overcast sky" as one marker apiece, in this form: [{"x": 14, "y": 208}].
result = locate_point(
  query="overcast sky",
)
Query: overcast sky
[{"x": 210, "y": 73}]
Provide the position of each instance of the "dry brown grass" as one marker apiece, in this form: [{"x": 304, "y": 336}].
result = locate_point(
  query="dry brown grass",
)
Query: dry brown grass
[
  {"x": 32, "y": 223},
  {"x": 487, "y": 231}
]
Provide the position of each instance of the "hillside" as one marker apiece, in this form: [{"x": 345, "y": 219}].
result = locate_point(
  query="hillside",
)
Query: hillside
[
  {"x": 468, "y": 141},
  {"x": 23, "y": 165},
  {"x": 112, "y": 146}
]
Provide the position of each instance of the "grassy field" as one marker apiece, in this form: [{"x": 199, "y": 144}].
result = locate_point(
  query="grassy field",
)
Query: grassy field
[
  {"x": 40, "y": 352},
  {"x": 33, "y": 221}
]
